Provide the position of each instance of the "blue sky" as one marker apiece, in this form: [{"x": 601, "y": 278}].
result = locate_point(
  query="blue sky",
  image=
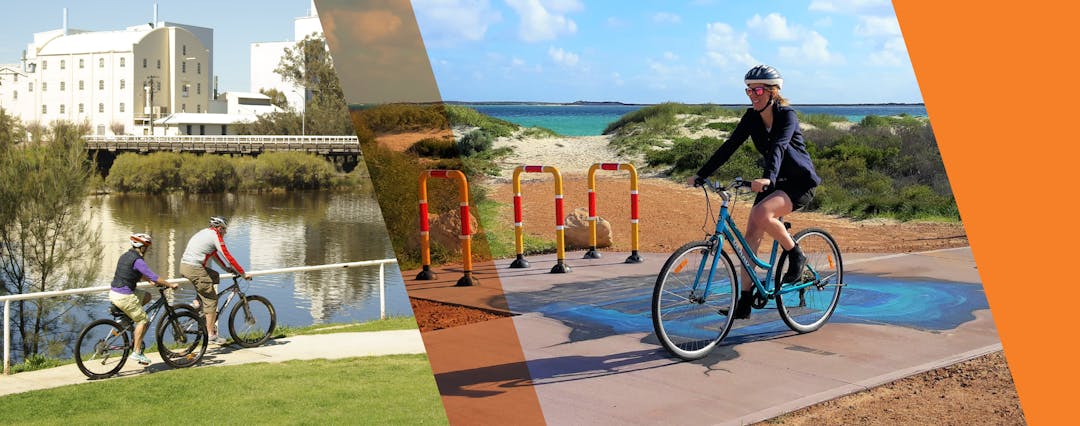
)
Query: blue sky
[
  {"x": 236, "y": 24},
  {"x": 829, "y": 51}
]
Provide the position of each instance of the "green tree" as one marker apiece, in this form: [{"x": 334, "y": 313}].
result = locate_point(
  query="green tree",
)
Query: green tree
[
  {"x": 277, "y": 97},
  {"x": 46, "y": 240}
]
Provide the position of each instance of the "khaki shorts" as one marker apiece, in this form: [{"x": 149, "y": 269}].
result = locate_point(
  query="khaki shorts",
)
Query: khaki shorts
[
  {"x": 204, "y": 280},
  {"x": 131, "y": 304}
]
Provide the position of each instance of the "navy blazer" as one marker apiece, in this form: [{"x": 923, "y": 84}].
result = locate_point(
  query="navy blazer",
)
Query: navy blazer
[{"x": 782, "y": 146}]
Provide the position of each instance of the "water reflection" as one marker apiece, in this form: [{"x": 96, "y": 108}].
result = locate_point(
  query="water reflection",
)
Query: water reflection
[{"x": 269, "y": 231}]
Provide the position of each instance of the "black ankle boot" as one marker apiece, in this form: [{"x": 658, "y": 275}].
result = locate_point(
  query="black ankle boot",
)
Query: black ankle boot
[
  {"x": 796, "y": 262},
  {"x": 742, "y": 306}
]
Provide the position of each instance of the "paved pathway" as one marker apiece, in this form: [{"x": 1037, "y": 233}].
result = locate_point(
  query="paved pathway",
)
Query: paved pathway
[
  {"x": 324, "y": 346},
  {"x": 592, "y": 357}
]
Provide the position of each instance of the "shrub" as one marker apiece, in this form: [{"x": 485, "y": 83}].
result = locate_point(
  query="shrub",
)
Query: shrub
[
  {"x": 434, "y": 147},
  {"x": 475, "y": 142}
]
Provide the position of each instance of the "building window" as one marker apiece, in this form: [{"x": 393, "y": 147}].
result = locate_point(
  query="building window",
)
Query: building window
[
  {"x": 44, "y": 109},
  {"x": 121, "y": 107},
  {"x": 101, "y": 84},
  {"x": 123, "y": 62},
  {"x": 198, "y": 88},
  {"x": 15, "y": 95},
  {"x": 123, "y": 84},
  {"x": 61, "y": 108},
  {"x": 30, "y": 86},
  {"x": 158, "y": 85},
  {"x": 183, "y": 67},
  {"x": 63, "y": 85},
  {"x": 224, "y": 129},
  {"x": 82, "y": 109},
  {"x": 81, "y": 85},
  {"x": 144, "y": 62},
  {"x": 100, "y": 107},
  {"x": 198, "y": 108},
  {"x": 44, "y": 86},
  {"x": 63, "y": 64},
  {"x": 202, "y": 129},
  {"x": 101, "y": 62},
  {"x": 159, "y": 64},
  {"x": 16, "y": 78},
  {"x": 81, "y": 63},
  {"x": 189, "y": 129},
  {"x": 183, "y": 50},
  {"x": 183, "y": 107},
  {"x": 198, "y": 68},
  {"x": 184, "y": 92},
  {"x": 44, "y": 65}
]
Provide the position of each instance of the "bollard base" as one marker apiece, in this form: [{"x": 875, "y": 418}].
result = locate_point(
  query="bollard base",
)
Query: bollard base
[
  {"x": 467, "y": 280},
  {"x": 520, "y": 262},
  {"x": 592, "y": 253},
  {"x": 560, "y": 268},
  {"x": 426, "y": 274},
  {"x": 634, "y": 258}
]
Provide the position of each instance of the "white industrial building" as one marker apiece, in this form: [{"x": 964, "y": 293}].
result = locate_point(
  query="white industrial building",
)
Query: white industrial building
[
  {"x": 266, "y": 56},
  {"x": 117, "y": 81}
]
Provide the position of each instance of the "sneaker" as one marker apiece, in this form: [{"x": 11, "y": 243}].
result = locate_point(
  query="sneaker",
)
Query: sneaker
[
  {"x": 140, "y": 358},
  {"x": 217, "y": 340}
]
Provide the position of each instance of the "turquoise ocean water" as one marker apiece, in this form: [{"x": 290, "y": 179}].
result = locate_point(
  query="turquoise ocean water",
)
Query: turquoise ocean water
[{"x": 587, "y": 120}]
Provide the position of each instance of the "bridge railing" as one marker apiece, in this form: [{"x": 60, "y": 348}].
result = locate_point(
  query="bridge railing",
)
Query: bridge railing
[{"x": 46, "y": 294}]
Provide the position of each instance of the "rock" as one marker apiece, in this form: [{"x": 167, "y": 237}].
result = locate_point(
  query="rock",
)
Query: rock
[
  {"x": 577, "y": 230},
  {"x": 446, "y": 228}
]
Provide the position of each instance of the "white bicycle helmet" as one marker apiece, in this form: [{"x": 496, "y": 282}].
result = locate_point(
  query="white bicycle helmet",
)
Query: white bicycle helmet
[
  {"x": 140, "y": 240},
  {"x": 219, "y": 221}
]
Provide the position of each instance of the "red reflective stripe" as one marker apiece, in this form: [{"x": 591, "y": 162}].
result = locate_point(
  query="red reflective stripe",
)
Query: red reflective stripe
[
  {"x": 466, "y": 228},
  {"x": 609, "y": 166},
  {"x": 559, "y": 219},
  {"x": 438, "y": 173},
  {"x": 534, "y": 169},
  {"x": 424, "y": 225},
  {"x": 228, "y": 256},
  {"x": 633, "y": 206},
  {"x": 592, "y": 204},
  {"x": 517, "y": 209}
]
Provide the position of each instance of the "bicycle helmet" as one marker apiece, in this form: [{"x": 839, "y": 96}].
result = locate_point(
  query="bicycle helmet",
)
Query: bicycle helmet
[
  {"x": 764, "y": 74},
  {"x": 140, "y": 239},
  {"x": 219, "y": 221}
]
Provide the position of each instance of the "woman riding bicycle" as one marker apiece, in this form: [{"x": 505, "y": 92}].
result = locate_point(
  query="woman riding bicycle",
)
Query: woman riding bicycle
[
  {"x": 789, "y": 178},
  {"x": 130, "y": 269}
]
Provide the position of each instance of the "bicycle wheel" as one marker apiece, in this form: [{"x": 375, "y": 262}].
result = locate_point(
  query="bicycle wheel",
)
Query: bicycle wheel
[
  {"x": 251, "y": 321},
  {"x": 102, "y": 349},
  {"x": 181, "y": 338},
  {"x": 687, "y": 324},
  {"x": 807, "y": 309}
]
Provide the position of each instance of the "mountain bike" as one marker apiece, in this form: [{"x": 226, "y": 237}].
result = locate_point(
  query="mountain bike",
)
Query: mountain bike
[
  {"x": 102, "y": 348},
  {"x": 252, "y": 319},
  {"x": 696, "y": 291}
]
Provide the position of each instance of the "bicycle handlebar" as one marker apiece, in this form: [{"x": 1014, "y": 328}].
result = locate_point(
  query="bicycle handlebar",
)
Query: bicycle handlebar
[{"x": 738, "y": 183}]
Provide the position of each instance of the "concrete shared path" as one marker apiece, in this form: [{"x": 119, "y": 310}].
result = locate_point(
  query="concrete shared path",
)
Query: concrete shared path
[
  {"x": 592, "y": 357},
  {"x": 320, "y": 346}
]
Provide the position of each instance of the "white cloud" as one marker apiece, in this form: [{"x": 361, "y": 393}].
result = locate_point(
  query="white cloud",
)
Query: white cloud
[
  {"x": 446, "y": 22},
  {"x": 856, "y": 7},
  {"x": 545, "y": 19},
  {"x": 814, "y": 48},
  {"x": 876, "y": 26},
  {"x": 617, "y": 79},
  {"x": 726, "y": 48},
  {"x": 666, "y": 18},
  {"x": 562, "y": 57},
  {"x": 615, "y": 22},
  {"x": 774, "y": 26},
  {"x": 893, "y": 53},
  {"x": 671, "y": 56}
]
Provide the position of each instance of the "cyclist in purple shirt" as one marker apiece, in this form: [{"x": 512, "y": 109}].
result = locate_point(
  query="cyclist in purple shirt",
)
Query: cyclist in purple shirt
[
  {"x": 788, "y": 180},
  {"x": 130, "y": 269}
]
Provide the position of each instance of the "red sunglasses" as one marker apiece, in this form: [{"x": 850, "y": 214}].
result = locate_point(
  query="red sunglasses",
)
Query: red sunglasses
[{"x": 756, "y": 90}]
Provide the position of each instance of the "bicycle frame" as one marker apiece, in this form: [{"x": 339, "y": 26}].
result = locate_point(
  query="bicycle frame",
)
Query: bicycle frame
[{"x": 727, "y": 229}]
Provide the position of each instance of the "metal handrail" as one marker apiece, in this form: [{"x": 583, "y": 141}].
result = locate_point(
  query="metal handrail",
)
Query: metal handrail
[{"x": 89, "y": 290}]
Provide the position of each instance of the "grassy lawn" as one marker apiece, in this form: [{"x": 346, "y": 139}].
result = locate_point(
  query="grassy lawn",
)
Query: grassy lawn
[{"x": 395, "y": 389}]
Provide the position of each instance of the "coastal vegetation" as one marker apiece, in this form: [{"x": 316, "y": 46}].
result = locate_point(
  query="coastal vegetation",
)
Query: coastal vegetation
[{"x": 879, "y": 167}]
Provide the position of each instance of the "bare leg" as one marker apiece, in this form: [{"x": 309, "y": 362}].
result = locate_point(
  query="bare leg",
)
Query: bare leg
[
  {"x": 211, "y": 323},
  {"x": 765, "y": 219},
  {"x": 140, "y": 329}
]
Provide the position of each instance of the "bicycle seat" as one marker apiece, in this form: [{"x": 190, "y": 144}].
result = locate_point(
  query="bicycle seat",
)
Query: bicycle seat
[{"x": 116, "y": 312}]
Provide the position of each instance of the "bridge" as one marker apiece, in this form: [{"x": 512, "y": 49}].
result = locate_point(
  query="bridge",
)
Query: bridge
[{"x": 227, "y": 144}]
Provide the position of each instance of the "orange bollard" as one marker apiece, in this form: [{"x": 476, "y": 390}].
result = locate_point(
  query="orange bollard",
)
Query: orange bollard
[
  {"x": 425, "y": 225},
  {"x": 560, "y": 227},
  {"x": 634, "y": 257}
]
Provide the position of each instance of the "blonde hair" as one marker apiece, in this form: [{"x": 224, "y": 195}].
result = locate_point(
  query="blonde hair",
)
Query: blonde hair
[{"x": 777, "y": 97}]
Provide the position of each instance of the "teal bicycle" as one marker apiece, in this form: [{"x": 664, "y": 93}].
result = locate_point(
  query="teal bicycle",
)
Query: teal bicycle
[{"x": 693, "y": 302}]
